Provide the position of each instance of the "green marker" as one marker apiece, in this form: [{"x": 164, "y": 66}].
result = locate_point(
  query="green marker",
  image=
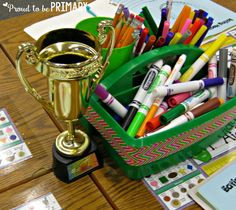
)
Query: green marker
[
  {"x": 149, "y": 98},
  {"x": 185, "y": 106}
]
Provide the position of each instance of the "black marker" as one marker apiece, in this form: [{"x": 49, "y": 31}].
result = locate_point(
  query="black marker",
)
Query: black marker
[{"x": 142, "y": 91}]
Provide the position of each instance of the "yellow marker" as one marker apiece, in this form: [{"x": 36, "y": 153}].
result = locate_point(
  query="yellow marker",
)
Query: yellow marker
[
  {"x": 203, "y": 59},
  {"x": 198, "y": 35},
  {"x": 176, "y": 38}
]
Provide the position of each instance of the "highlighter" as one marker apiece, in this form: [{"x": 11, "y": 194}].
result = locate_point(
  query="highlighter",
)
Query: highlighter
[{"x": 203, "y": 59}]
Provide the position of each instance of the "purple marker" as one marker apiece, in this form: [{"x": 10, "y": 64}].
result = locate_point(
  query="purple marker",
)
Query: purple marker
[
  {"x": 169, "y": 36},
  {"x": 110, "y": 101},
  {"x": 187, "y": 86}
]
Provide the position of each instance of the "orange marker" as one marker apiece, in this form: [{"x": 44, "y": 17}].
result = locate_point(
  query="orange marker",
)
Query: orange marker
[
  {"x": 186, "y": 15},
  {"x": 150, "y": 43},
  {"x": 177, "y": 22}
]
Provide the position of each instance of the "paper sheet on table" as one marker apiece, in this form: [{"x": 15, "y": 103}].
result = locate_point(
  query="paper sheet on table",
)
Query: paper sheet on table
[
  {"x": 70, "y": 19},
  {"x": 223, "y": 17}
]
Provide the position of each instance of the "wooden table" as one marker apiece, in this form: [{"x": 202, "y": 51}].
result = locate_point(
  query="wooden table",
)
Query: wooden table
[{"x": 106, "y": 188}]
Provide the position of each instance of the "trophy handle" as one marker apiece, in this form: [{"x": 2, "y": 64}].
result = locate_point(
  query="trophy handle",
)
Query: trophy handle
[
  {"x": 102, "y": 36},
  {"x": 31, "y": 58}
]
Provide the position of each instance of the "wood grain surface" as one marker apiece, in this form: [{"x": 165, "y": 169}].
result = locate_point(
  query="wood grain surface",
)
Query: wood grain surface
[
  {"x": 121, "y": 192},
  {"x": 79, "y": 195}
]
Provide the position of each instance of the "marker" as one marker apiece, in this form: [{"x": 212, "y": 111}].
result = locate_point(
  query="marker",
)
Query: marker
[
  {"x": 190, "y": 115},
  {"x": 212, "y": 72},
  {"x": 187, "y": 105},
  {"x": 161, "y": 24},
  {"x": 150, "y": 43},
  {"x": 198, "y": 35},
  {"x": 142, "y": 91},
  {"x": 166, "y": 28},
  {"x": 174, "y": 73},
  {"x": 203, "y": 59},
  {"x": 185, "y": 36},
  {"x": 223, "y": 62},
  {"x": 169, "y": 36},
  {"x": 138, "y": 125},
  {"x": 185, "y": 26},
  {"x": 155, "y": 122},
  {"x": 208, "y": 25},
  {"x": 176, "y": 38},
  {"x": 110, "y": 101},
  {"x": 174, "y": 100},
  {"x": 187, "y": 86},
  {"x": 141, "y": 41},
  {"x": 231, "y": 89}
]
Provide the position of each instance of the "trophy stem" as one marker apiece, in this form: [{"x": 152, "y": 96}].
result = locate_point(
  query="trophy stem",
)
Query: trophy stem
[{"x": 71, "y": 132}]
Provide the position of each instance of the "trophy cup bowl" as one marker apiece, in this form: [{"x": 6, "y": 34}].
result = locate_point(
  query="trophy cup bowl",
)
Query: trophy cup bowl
[{"x": 72, "y": 62}]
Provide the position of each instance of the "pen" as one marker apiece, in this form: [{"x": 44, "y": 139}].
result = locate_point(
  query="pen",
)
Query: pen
[
  {"x": 212, "y": 73},
  {"x": 231, "y": 90},
  {"x": 138, "y": 125},
  {"x": 110, "y": 101},
  {"x": 187, "y": 86},
  {"x": 190, "y": 115},
  {"x": 187, "y": 105},
  {"x": 223, "y": 69},
  {"x": 203, "y": 59},
  {"x": 142, "y": 91}
]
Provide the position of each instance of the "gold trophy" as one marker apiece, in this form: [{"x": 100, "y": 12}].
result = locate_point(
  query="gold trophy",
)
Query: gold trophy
[{"x": 72, "y": 62}]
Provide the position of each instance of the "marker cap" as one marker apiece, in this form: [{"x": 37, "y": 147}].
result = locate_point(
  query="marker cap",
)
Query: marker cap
[
  {"x": 213, "y": 82},
  {"x": 177, "y": 99},
  {"x": 172, "y": 114},
  {"x": 101, "y": 92}
]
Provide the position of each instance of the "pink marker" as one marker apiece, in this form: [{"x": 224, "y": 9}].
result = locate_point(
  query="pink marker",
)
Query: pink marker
[
  {"x": 165, "y": 28},
  {"x": 186, "y": 25},
  {"x": 177, "y": 99}
]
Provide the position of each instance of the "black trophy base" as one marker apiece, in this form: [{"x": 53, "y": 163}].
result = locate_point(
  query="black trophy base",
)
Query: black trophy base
[{"x": 69, "y": 169}]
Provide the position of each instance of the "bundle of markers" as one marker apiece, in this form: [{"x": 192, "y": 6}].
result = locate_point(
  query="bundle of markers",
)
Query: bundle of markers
[
  {"x": 190, "y": 27},
  {"x": 167, "y": 97}
]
